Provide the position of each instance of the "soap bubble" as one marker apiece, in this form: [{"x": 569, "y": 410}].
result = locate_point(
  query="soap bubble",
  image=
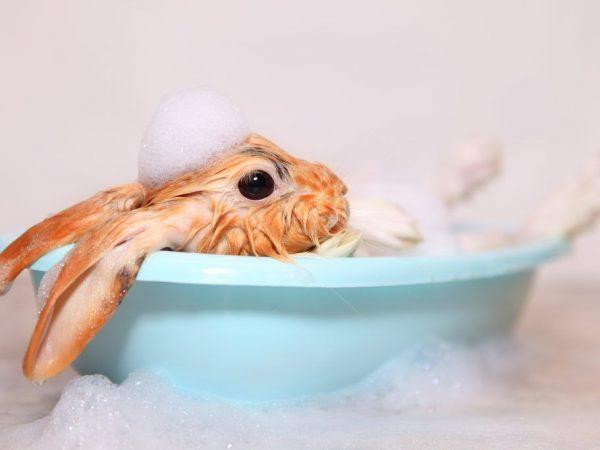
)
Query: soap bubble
[
  {"x": 454, "y": 395},
  {"x": 189, "y": 128}
]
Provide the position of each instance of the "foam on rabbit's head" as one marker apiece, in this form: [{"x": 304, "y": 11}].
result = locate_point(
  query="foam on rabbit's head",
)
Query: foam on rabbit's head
[{"x": 189, "y": 129}]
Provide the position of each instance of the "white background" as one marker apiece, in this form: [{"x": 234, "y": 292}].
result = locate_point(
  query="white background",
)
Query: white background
[{"x": 392, "y": 82}]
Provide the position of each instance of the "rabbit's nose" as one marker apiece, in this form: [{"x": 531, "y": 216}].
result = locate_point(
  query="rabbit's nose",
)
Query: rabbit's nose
[{"x": 344, "y": 188}]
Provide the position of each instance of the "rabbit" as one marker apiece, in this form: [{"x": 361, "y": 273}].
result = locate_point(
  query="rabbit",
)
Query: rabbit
[{"x": 255, "y": 199}]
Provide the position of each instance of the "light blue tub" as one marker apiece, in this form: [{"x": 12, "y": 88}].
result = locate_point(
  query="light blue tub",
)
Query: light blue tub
[{"x": 252, "y": 329}]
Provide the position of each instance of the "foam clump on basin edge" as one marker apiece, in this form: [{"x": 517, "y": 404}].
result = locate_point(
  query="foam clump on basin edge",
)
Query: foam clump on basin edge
[
  {"x": 189, "y": 128},
  {"x": 433, "y": 391}
]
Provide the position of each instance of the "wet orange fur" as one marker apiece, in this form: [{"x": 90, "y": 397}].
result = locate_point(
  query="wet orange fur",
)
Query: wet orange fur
[{"x": 277, "y": 229}]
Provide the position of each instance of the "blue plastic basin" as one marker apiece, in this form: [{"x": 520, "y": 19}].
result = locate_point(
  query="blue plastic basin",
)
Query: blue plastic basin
[{"x": 256, "y": 329}]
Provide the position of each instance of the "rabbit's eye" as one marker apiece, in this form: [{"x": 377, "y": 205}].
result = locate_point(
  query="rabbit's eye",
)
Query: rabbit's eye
[{"x": 256, "y": 185}]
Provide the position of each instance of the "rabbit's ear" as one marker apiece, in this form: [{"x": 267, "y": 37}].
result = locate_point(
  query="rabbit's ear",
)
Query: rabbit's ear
[
  {"x": 95, "y": 276},
  {"x": 65, "y": 228}
]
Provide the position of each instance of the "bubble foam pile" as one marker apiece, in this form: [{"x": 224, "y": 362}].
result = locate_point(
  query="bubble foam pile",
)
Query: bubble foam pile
[
  {"x": 189, "y": 128},
  {"x": 433, "y": 393}
]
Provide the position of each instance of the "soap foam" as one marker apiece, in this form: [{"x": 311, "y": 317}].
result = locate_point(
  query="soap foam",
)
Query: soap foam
[
  {"x": 449, "y": 394},
  {"x": 189, "y": 128}
]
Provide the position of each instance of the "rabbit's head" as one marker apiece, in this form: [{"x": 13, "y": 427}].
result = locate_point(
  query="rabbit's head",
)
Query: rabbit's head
[{"x": 262, "y": 201}]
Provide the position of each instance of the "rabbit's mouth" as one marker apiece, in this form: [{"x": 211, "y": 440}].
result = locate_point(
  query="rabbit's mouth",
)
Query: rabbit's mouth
[{"x": 336, "y": 222}]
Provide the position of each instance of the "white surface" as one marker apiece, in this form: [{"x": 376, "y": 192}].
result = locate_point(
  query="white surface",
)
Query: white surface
[
  {"x": 189, "y": 129},
  {"x": 540, "y": 391}
]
